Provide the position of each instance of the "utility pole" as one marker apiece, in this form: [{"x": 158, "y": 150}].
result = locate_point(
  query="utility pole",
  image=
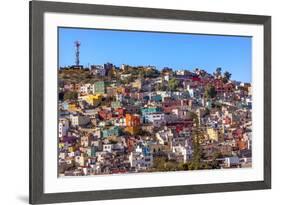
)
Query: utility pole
[{"x": 77, "y": 52}]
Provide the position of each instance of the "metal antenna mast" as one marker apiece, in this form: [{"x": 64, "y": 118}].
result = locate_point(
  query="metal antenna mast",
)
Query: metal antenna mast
[{"x": 77, "y": 52}]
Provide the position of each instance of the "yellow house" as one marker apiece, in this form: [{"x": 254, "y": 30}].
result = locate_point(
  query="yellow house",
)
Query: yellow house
[
  {"x": 92, "y": 99},
  {"x": 213, "y": 134},
  {"x": 72, "y": 107},
  {"x": 61, "y": 145},
  {"x": 71, "y": 149}
]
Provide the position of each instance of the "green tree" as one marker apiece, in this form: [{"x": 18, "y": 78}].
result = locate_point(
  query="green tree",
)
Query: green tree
[
  {"x": 218, "y": 70},
  {"x": 217, "y": 74},
  {"x": 152, "y": 73},
  {"x": 197, "y": 152},
  {"x": 185, "y": 166},
  {"x": 159, "y": 163},
  {"x": 173, "y": 84},
  {"x": 226, "y": 76},
  {"x": 70, "y": 95},
  {"x": 210, "y": 92},
  {"x": 159, "y": 87}
]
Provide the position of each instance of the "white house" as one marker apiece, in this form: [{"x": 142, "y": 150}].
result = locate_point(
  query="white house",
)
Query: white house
[
  {"x": 85, "y": 88},
  {"x": 190, "y": 91},
  {"x": 63, "y": 127},
  {"x": 163, "y": 136},
  {"x": 141, "y": 158},
  {"x": 185, "y": 151},
  {"x": 98, "y": 70},
  {"x": 77, "y": 120},
  {"x": 157, "y": 119},
  {"x": 86, "y": 140},
  {"x": 107, "y": 148},
  {"x": 80, "y": 160},
  {"x": 231, "y": 161}
]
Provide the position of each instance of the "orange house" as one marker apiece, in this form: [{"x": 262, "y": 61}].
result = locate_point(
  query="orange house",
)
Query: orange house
[
  {"x": 132, "y": 120},
  {"x": 132, "y": 123}
]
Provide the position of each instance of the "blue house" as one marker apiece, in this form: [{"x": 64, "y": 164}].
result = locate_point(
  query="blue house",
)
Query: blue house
[{"x": 112, "y": 131}]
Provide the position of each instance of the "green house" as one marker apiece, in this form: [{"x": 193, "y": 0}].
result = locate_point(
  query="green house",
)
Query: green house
[
  {"x": 113, "y": 131},
  {"x": 116, "y": 104},
  {"x": 99, "y": 87}
]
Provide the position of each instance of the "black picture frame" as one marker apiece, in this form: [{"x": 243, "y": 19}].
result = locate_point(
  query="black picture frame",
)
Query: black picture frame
[{"x": 36, "y": 173}]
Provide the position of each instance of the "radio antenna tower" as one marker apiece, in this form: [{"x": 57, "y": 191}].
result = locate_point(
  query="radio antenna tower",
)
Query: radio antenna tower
[{"x": 77, "y": 52}]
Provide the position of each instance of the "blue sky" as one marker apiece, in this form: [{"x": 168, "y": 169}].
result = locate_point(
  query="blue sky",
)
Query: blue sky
[{"x": 178, "y": 51}]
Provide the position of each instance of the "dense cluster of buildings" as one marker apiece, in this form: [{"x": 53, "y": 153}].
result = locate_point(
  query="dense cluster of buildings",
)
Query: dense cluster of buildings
[{"x": 142, "y": 119}]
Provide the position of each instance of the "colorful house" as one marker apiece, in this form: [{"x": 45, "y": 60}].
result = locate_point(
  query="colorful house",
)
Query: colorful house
[
  {"x": 99, "y": 87},
  {"x": 132, "y": 120},
  {"x": 132, "y": 123},
  {"x": 91, "y": 99},
  {"x": 110, "y": 132}
]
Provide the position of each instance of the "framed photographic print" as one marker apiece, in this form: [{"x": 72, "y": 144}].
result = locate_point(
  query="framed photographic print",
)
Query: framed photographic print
[{"x": 130, "y": 102}]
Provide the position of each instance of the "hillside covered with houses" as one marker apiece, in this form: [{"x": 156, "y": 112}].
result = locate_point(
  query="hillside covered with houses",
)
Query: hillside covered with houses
[{"x": 132, "y": 119}]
